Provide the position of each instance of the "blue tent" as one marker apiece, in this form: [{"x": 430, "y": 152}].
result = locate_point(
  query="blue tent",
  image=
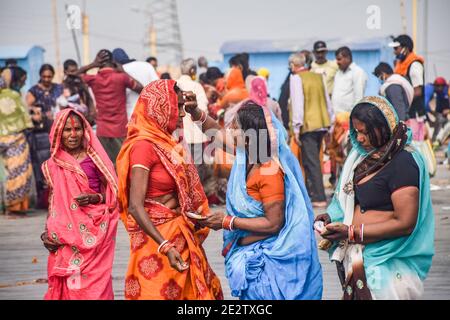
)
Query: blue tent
[
  {"x": 274, "y": 54},
  {"x": 28, "y": 57}
]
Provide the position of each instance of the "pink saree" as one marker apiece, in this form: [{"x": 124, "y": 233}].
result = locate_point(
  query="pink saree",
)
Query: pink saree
[{"x": 81, "y": 269}]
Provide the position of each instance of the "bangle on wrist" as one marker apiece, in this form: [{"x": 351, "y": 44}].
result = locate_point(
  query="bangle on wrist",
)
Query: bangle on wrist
[
  {"x": 227, "y": 223},
  {"x": 161, "y": 245},
  {"x": 203, "y": 117},
  {"x": 351, "y": 233},
  {"x": 100, "y": 197},
  {"x": 361, "y": 233},
  {"x": 165, "y": 247}
]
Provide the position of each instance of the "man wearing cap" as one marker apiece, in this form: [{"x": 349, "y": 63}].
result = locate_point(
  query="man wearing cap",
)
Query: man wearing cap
[
  {"x": 139, "y": 70},
  {"x": 437, "y": 102},
  {"x": 323, "y": 66},
  {"x": 411, "y": 66},
  {"x": 192, "y": 135}
]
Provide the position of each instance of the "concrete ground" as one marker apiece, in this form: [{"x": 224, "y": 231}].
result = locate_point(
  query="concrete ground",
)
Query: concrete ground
[{"x": 23, "y": 258}]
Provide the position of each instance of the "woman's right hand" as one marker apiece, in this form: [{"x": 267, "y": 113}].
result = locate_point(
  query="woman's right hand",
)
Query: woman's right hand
[
  {"x": 324, "y": 217},
  {"x": 49, "y": 244},
  {"x": 176, "y": 261},
  {"x": 190, "y": 103}
]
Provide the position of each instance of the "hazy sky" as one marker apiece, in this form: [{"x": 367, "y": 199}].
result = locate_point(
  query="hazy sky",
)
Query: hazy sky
[{"x": 206, "y": 24}]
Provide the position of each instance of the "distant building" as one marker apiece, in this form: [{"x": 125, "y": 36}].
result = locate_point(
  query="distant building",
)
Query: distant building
[
  {"x": 28, "y": 57},
  {"x": 274, "y": 54}
]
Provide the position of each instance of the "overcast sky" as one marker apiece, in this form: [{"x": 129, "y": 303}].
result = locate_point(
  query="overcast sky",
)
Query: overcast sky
[{"x": 206, "y": 24}]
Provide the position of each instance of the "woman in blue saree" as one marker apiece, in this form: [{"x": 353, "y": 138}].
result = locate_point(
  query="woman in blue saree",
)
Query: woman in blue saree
[
  {"x": 269, "y": 245},
  {"x": 381, "y": 219}
]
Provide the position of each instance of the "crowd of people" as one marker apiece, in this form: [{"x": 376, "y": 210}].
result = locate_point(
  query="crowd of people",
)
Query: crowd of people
[{"x": 117, "y": 140}]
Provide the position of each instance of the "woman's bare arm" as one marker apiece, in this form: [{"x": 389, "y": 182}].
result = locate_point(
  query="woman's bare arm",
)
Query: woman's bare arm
[
  {"x": 260, "y": 228},
  {"x": 138, "y": 190},
  {"x": 222, "y": 138},
  {"x": 402, "y": 223},
  {"x": 270, "y": 224}
]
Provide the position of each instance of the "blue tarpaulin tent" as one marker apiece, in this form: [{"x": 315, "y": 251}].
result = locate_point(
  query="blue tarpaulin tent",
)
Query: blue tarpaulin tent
[
  {"x": 28, "y": 57},
  {"x": 274, "y": 54}
]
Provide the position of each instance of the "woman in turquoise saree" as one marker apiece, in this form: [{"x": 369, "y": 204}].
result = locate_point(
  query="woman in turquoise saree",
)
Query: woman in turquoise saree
[
  {"x": 381, "y": 219},
  {"x": 269, "y": 245}
]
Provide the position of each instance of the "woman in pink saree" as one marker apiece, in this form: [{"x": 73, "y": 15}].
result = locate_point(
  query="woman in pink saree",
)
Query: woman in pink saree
[{"x": 83, "y": 212}]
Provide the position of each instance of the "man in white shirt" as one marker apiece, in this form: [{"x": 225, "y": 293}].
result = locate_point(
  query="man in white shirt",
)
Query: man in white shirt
[
  {"x": 192, "y": 135},
  {"x": 139, "y": 70},
  {"x": 349, "y": 83}
]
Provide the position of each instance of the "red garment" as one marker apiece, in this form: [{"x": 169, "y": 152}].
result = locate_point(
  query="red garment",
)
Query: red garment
[
  {"x": 149, "y": 274},
  {"x": 81, "y": 269},
  {"x": 109, "y": 87},
  {"x": 160, "y": 182}
]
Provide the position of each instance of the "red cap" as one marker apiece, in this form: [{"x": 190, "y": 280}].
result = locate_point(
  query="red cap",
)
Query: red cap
[{"x": 440, "y": 81}]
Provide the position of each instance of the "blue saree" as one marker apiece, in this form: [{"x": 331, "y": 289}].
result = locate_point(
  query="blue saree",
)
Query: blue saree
[{"x": 284, "y": 266}]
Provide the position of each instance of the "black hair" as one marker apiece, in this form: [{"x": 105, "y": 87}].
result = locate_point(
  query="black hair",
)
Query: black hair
[
  {"x": 165, "y": 76},
  {"x": 382, "y": 67},
  {"x": 213, "y": 73},
  {"x": 405, "y": 41},
  {"x": 10, "y": 62},
  {"x": 46, "y": 67},
  {"x": 234, "y": 61},
  {"x": 373, "y": 119},
  {"x": 76, "y": 86},
  {"x": 109, "y": 57},
  {"x": 68, "y": 63},
  {"x": 345, "y": 52},
  {"x": 151, "y": 59},
  {"x": 203, "y": 78},
  {"x": 17, "y": 73},
  {"x": 241, "y": 59},
  {"x": 251, "y": 117}
]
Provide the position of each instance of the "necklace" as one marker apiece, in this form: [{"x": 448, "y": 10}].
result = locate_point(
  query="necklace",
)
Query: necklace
[{"x": 78, "y": 155}]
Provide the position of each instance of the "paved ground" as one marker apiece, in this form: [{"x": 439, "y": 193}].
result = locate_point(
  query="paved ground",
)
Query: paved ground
[{"x": 23, "y": 258}]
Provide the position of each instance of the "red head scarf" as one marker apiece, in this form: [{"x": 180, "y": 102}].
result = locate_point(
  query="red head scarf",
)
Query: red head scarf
[
  {"x": 154, "y": 119},
  {"x": 87, "y": 232}
]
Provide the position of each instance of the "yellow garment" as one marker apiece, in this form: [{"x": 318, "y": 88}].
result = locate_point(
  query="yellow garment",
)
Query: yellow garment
[
  {"x": 264, "y": 72},
  {"x": 315, "y": 114},
  {"x": 328, "y": 70}
]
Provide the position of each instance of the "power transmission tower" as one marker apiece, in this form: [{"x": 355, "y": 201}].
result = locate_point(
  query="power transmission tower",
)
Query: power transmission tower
[{"x": 166, "y": 28}]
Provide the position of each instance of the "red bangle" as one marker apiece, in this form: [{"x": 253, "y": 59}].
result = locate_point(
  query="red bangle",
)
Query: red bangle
[
  {"x": 351, "y": 233},
  {"x": 226, "y": 223}
]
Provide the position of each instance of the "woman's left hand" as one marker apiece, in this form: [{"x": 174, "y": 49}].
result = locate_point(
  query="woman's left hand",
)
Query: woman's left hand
[
  {"x": 335, "y": 231},
  {"x": 85, "y": 199},
  {"x": 213, "y": 221}
]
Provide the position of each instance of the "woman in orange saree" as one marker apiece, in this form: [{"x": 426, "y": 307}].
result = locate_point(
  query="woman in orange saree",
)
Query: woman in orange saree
[
  {"x": 158, "y": 187},
  {"x": 83, "y": 212}
]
